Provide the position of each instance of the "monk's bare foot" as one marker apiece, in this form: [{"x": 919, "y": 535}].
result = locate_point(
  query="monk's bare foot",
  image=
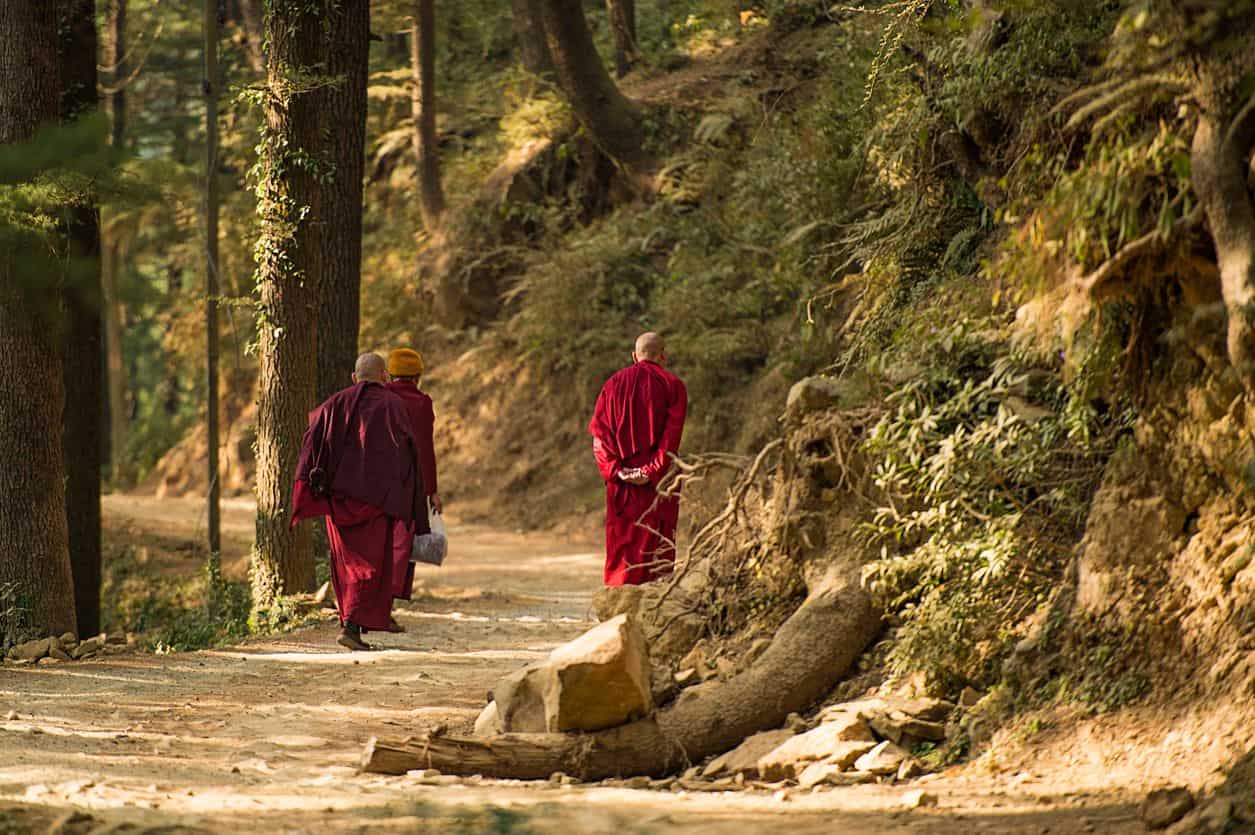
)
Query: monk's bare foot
[
  {"x": 351, "y": 638},
  {"x": 393, "y": 626}
]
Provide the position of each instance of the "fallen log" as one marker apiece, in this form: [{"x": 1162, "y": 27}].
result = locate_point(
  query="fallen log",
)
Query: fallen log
[{"x": 809, "y": 655}]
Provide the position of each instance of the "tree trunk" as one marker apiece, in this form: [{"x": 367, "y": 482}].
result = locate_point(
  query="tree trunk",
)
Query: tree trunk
[
  {"x": 81, "y": 441},
  {"x": 339, "y": 309},
  {"x": 34, "y": 551},
  {"x": 529, "y": 38},
  {"x": 809, "y": 654},
  {"x": 604, "y": 112},
  {"x": 622, "y": 14},
  {"x": 289, "y": 265},
  {"x": 423, "y": 63},
  {"x": 115, "y": 365},
  {"x": 210, "y": 85},
  {"x": 1219, "y": 168}
]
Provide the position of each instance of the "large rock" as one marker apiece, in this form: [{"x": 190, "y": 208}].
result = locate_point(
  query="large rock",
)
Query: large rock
[
  {"x": 839, "y": 742},
  {"x": 744, "y": 758},
  {"x": 597, "y": 681},
  {"x": 31, "y": 650},
  {"x": 1164, "y": 807}
]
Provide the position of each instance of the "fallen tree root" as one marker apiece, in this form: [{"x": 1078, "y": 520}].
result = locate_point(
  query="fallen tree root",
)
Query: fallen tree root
[{"x": 809, "y": 655}]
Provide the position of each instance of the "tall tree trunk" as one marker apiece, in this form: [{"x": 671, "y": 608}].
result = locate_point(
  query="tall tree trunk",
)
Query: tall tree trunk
[
  {"x": 529, "y": 38},
  {"x": 423, "y": 63},
  {"x": 622, "y": 14},
  {"x": 339, "y": 308},
  {"x": 115, "y": 365},
  {"x": 602, "y": 109},
  {"x": 81, "y": 439},
  {"x": 210, "y": 87},
  {"x": 289, "y": 266},
  {"x": 34, "y": 551}
]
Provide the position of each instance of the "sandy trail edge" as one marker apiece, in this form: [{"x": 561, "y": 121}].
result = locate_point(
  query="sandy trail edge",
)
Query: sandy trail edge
[{"x": 265, "y": 736}]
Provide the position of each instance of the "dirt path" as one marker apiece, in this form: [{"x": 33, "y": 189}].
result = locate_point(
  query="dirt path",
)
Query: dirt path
[{"x": 265, "y": 737}]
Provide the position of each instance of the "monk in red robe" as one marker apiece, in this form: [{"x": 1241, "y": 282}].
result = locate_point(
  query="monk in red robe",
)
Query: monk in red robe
[
  {"x": 636, "y": 430},
  {"x": 359, "y": 468},
  {"x": 405, "y": 372}
]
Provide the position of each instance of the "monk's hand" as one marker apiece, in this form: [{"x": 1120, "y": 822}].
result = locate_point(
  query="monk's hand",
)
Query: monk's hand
[
  {"x": 437, "y": 506},
  {"x": 633, "y": 476}
]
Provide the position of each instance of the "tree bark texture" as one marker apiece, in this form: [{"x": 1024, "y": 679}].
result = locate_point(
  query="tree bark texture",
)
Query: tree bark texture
[
  {"x": 289, "y": 266},
  {"x": 610, "y": 119},
  {"x": 810, "y": 653},
  {"x": 339, "y": 308},
  {"x": 529, "y": 38},
  {"x": 423, "y": 99},
  {"x": 81, "y": 439},
  {"x": 34, "y": 551},
  {"x": 622, "y": 15},
  {"x": 115, "y": 365}
]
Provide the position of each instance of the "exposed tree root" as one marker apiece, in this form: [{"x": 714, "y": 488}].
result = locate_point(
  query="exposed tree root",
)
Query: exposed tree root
[{"x": 809, "y": 655}]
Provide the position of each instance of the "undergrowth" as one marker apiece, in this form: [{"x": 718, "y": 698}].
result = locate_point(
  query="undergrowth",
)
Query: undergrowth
[
  {"x": 984, "y": 467},
  {"x": 172, "y": 615}
]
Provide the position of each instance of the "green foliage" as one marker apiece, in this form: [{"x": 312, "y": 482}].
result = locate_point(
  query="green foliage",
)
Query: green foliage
[
  {"x": 193, "y": 613},
  {"x": 985, "y": 479},
  {"x": 14, "y": 617}
]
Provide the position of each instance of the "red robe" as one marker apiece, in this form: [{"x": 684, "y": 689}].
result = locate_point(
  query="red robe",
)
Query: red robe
[
  {"x": 359, "y": 468},
  {"x": 423, "y": 423},
  {"x": 638, "y": 423}
]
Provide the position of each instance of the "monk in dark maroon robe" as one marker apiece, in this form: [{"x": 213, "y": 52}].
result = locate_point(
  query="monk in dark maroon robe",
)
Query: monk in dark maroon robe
[
  {"x": 359, "y": 468},
  {"x": 636, "y": 429},
  {"x": 405, "y": 372}
]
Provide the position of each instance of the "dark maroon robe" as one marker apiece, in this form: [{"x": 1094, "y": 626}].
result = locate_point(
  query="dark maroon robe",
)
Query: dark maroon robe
[
  {"x": 423, "y": 421},
  {"x": 638, "y": 422},
  {"x": 359, "y": 468}
]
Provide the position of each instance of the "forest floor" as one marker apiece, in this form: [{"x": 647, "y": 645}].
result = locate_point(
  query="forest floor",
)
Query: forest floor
[{"x": 266, "y": 736}]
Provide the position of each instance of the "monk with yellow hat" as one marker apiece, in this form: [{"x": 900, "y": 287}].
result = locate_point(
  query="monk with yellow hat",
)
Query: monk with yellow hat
[{"x": 405, "y": 372}]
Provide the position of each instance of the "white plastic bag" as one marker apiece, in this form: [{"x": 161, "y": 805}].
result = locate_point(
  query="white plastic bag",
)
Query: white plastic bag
[{"x": 431, "y": 548}]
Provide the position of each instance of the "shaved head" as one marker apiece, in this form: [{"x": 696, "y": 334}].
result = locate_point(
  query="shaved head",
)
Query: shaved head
[
  {"x": 370, "y": 367},
  {"x": 649, "y": 347}
]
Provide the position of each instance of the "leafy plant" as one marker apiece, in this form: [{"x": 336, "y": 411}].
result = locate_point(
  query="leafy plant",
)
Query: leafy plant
[{"x": 984, "y": 482}]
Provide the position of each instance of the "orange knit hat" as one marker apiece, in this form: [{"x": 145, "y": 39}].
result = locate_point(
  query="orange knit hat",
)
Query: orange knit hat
[{"x": 404, "y": 362}]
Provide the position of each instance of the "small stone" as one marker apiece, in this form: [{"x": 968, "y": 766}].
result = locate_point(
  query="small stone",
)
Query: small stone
[
  {"x": 969, "y": 697},
  {"x": 885, "y": 758},
  {"x": 796, "y": 723},
  {"x": 47, "y": 660},
  {"x": 686, "y": 677},
  {"x": 58, "y": 653},
  {"x": 1164, "y": 807},
  {"x": 68, "y": 638},
  {"x": 489, "y": 722},
  {"x": 919, "y": 799},
  {"x": 11, "y": 716},
  {"x": 638, "y": 783},
  {"x": 910, "y": 769},
  {"x": 744, "y": 758},
  {"x": 88, "y": 647},
  {"x": 31, "y": 650}
]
